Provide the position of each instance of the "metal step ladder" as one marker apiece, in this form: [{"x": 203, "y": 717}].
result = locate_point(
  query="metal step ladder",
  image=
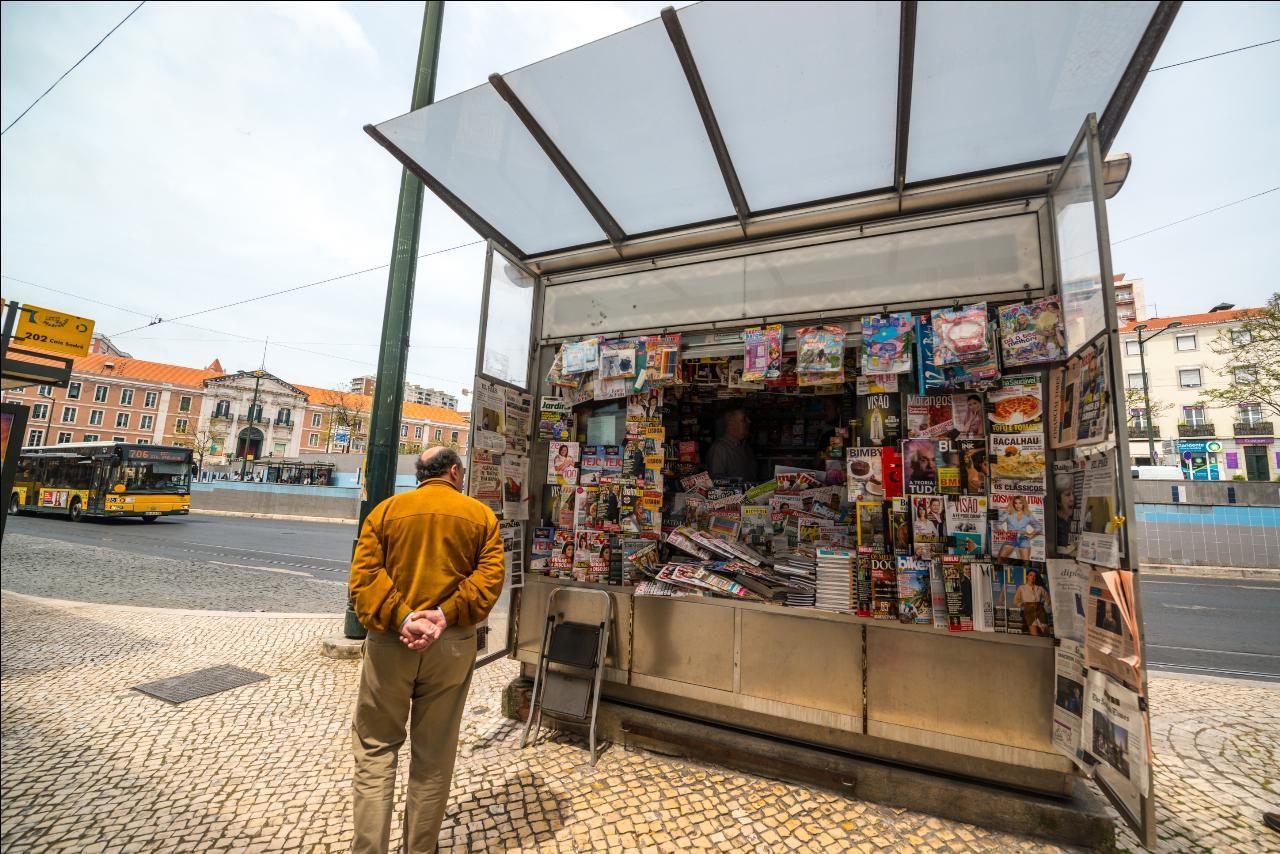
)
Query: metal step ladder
[{"x": 577, "y": 650}]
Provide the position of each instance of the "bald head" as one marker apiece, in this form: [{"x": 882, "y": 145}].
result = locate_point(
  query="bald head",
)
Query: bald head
[{"x": 440, "y": 462}]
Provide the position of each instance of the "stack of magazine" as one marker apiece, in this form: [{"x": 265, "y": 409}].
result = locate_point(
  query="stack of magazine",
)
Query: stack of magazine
[{"x": 835, "y": 580}]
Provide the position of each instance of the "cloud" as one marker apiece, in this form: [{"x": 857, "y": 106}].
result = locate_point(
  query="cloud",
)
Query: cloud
[{"x": 325, "y": 17}]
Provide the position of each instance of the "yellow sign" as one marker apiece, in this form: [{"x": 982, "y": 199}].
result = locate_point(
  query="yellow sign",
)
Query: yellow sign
[{"x": 55, "y": 331}]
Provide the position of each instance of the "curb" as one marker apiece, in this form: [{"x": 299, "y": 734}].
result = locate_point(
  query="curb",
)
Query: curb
[
  {"x": 280, "y": 517},
  {"x": 1255, "y": 573},
  {"x": 71, "y": 604}
]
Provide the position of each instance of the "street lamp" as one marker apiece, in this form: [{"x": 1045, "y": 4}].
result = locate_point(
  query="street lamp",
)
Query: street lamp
[
  {"x": 48, "y": 422},
  {"x": 1146, "y": 392}
]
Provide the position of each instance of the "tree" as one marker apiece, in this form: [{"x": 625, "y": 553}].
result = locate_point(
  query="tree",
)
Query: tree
[
  {"x": 202, "y": 443},
  {"x": 1134, "y": 402},
  {"x": 1251, "y": 363},
  {"x": 344, "y": 414}
]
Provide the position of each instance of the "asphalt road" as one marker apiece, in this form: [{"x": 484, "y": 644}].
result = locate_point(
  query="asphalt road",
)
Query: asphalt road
[{"x": 1222, "y": 627}]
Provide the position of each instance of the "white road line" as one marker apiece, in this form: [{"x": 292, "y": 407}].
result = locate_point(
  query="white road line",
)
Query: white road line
[
  {"x": 1213, "y": 651},
  {"x": 1275, "y": 589},
  {"x": 1217, "y": 670},
  {"x": 260, "y": 552},
  {"x": 262, "y": 568}
]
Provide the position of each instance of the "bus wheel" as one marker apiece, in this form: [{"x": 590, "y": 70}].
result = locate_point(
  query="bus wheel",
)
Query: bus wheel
[
  {"x": 14, "y": 505},
  {"x": 150, "y": 518},
  {"x": 75, "y": 513}
]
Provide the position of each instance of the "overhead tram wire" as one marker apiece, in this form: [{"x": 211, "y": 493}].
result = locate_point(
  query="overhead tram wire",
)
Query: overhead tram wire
[
  {"x": 73, "y": 67},
  {"x": 1193, "y": 216},
  {"x": 1212, "y": 55},
  {"x": 295, "y": 288}
]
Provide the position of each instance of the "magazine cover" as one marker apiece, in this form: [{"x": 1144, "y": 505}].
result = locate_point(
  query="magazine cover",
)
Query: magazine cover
[
  {"x": 646, "y": 407},
  {"x": 639, "y": 560},
  {"x": 998, "y": 611},
  {"x": 1018, "y": 463},
  {"x": 864, "y": 475},
  {"x": 820, "y": 350},
  {"x": 886, "y": 343},
  {"x": 608, "y": 504},
  {"x": 920, "y": 466},
  {"x": 884, "y": 587},
  {"x": 879, "y": 418},
  {"x": 968, "y": 416},
  {"x": 949, "y": 468},
  {"x": 1027, "y": 605},
  {"x": 651, "y": 511},
  {"x": 974, "y": 466},
  {"x": 928, "y": 525},
  {"x": 929, "y": 416},
  {"x": 1065, "y": 429},
  {"x": 581, "y": 357},
  {"x": 1018, "y": 531},
  {"x": 967, "y": 525},
  {"x": 617, "y": 359},
  {"x": 762, "y": 353},
  {"x": 1031, "y": 332},
  {"x": 629, "y": 515},
  {"x": 555, "y": 419},
  {"x": 957, "y": 583},
  {"x": 871, "y": 525},
  {"x": 584, "y": 507},
  {"x": 599, "y": 557},
  {"x": 1015, "y": 405},
  {"x": 960, "y": 334},
  {"x": 756, "y": 529},
  {"x": 659, "y": 364},
  {"x": 1092, "y": 421},
  {"x": 1068, "y": 496},
  {"x": 611, "y": 388},
  {"x": 562, "y": 552},
  {"x": 633, "y": 457},
  {"x": 981, "y": 573},
  {"x": 560, "y": 501},
  {"x": 891, "y": 470},
  {"x": 915, "y": 596},
  {"x": 866, "y": 561},
  {"x": 899, "y": 526}
]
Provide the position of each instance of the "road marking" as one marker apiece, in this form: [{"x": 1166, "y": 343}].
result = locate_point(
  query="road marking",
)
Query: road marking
[
  {"x": 1219, "y": 586},
  {"x": 1212, "y": 651},
  {"x": 1188, "y": 607},
  {"x": 260, "y": 552},
  {"x": 262, "y": 568},
  {"x": 1248, "y": 674}
]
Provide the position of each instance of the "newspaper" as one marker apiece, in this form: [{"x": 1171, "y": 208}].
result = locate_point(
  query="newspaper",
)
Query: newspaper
[
  {"x": 512, "y": 534},
  {"x": 516, "y": 428},
  {"x": 1111, "y": 630},
  {"x": 1100, "y": 533},
  {"x": 1068, "y": 588},
  {"x": 515, "y": 496},
  {"x": 1068, "y": 699},
  {"x": 1114, "y": 730}
]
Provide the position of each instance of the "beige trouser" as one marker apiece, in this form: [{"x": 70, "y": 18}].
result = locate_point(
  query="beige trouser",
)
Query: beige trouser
[{"x": 428, "y": 688}]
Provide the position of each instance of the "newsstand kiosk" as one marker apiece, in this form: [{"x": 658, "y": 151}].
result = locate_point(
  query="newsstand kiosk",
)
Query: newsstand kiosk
[{"x": 658, "y": 200}]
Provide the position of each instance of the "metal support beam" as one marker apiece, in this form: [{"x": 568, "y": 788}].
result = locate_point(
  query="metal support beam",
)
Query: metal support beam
[
  {"x": 393, "y": 350},
  {"x": 906, "y": 72},
  {"x": 1135, "y": 73},
  {"x": 585, "y": 194},
  {"x": 678, "y": 41}
]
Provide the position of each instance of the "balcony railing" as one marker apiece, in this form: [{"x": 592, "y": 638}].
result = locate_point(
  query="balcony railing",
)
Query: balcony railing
[
  {"x": 253, "y": 420},
  {"x": 1144, "y": 431},
  {"x": 1255, "y": 428},
  {"x": 1187, "y": 431},
  {"x": 284, "y": 424},
  {"x": 226, "y": 416}
]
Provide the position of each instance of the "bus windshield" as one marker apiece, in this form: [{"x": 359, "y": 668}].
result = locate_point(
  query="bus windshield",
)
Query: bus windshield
[{"x": 140, "y": 476}]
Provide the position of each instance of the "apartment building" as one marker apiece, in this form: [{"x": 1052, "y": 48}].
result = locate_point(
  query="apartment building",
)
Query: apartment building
[
  {"x": 1208, "y": 443},
  {"x": 412, "y": 393},
  {"x": 1131, "y": 299},
  {"x": 338, "y": 422}
]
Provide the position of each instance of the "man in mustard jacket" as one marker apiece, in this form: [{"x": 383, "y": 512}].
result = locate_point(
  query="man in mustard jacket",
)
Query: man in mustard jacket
[{"x": 427, "y": 568}]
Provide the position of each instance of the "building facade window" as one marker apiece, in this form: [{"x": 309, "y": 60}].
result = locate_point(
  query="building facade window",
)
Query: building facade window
[
  {"x": 73, "y": 391},
  {"x": 184, "y": 404},
  {"x": 439, "y": 434},
  {"x": 1189, "y": 377},
  {"x": 39, "y": 411},
  {"x": 35, "y": 437},
  {"x": 281, "y": 447},
  {"x": 122, "y": 419},
  {"x": 255, "y": 412},
  {"x": 1134, "y": 379},
  {"x": 285, "y": 415},
  {"x": 313, "y": 440},
  {"x": 126, "y": 397},
  {"x": 92, "y": 437},
  {"x": 404, "y": 431},
  {"x": 64, "y": 438},
  {"x": 1250, "y": 413},
  {"x": 181, "y": 425},
  {"x": 1186, "y": 342},
  {"x": 1244, "y": 376},
  {"x": 1133, "y": 348},
  {"x": 99, "y": 394},
  {"x": 316, "y": 419},
  {"x": 45, "y": 391},
  {"x": 222, "y": 409},
  {"x": 1140, "y": 421},
  {"x": 95, "y": 417},
  {"x": 417, "y": 432},
  {"x": 69, "y": 414},
  {"x": 117, "y": 438},
  {"x": 147, "y": 422},
  {"x": 150, "y": 399},
  {"x": 1241, "y": 336},
  {"x": 453, "y": 436},
  {"x": 1193, "y": 416},
  {"x": 143, "y": 442}
]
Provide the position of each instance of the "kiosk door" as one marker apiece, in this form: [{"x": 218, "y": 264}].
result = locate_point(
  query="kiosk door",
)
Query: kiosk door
[
  {"x": 501, "y": 428},
  {"x": 1083, "y": 255}
]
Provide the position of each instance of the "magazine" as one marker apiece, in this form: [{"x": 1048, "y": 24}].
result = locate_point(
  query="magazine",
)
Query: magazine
[
  {"x": 562, "y": 553},
  {"x": 864, "y": 474},
  {"x": 899, "y": 526},
  {"x": 1027, "y": 604},
  {"x": 584, "y": 507},
  {"x": 1015, "y": 405},
  {"x": 960, "y": 335},
  {"x": 879, "y": 418},
  {"x": 762, "y": 353},
  {"x": 608, "y": 504},
  {"x": 1068, "y": 699},
  {"x": 651, "y": 511},
  {"x": 820, "y": 355},
  {"x": 866, "y": 561},
  {"x": 1092, "y": 412},
  {"x": 932, "y": 378},
  {"x": 968, "y": 416},
  {"x": 886, "y": 343},
  {"x": 1062, "y": 431},
  {"x": 611, "y": 388},
  {"x": 871, "y": 525},
  {"x": 884, "y": 587},
  {"x": 1068, "y": 496},
  {"x": 974, "y": 467},
  {"x": 1068, "y": 587},
  {"x": 515, "y": 498},
  {"x": 929, "y": 417},
  {"x": 891, "y": 468},
  {"x": 1031, "y": 332},
  {"x": 646, "y": 407},
  {"x": 1018, "y": 463},
  {"x": 617, "y": 359},
  {"x": 560, "y": 502},
  {"x": 920, "y": 466},
  {"x": 876, "y": 384},
  {"x": 983, "y": 589},
  {"x": 756, "y": 529},
  {"x": 639, "y": 560},
  {"x": 629, "y": 516},
  {"x": 949, "y": 468},
  {"x": 1099, "y": 531},
  {"x": 966, "y": 525},
  {"x": 581, "y": 357},
  {"x": 555, "y": 419},
  {"x": 633, "y": 457},
  {"x": 915, "y": 595},
  {"x": 1018, "y": 531},
  {"x": 1114, "y": 731},
  {"x": 659, "y": 363},
  {"x": 541, "y": 547},
  {"x": 957, "y": 583},
  {"x": 928, "y": 525}
]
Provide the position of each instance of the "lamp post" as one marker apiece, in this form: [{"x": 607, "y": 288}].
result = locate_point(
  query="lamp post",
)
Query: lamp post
[
  {"x": 1146, "y": 390},
  {"x": 48, "y": 421},
  {"x": 248, "y": 434}
]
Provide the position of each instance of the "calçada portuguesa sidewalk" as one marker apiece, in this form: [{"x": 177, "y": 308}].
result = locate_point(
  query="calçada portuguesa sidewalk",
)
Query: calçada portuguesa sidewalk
[{"x": 91, "y": 765}]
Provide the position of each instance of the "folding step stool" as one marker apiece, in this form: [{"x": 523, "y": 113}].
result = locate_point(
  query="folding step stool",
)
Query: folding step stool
[{"x": 572, "y": 691}]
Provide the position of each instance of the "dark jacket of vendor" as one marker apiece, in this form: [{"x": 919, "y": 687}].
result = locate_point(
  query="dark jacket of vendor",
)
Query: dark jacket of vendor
[{"x": 730, "y": 456}]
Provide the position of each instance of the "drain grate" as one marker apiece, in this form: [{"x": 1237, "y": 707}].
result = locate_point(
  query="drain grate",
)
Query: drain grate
[{"x": 199, "y": 683}]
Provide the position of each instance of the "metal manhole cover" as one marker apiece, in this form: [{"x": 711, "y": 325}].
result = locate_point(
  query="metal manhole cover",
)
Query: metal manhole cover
[{"x": 199, "y": 683}]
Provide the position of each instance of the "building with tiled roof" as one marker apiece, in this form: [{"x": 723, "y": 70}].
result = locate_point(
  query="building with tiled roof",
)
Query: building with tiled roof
[
  {"x": 1212, "y": 443},
  {"x": 224, "y": 415}
]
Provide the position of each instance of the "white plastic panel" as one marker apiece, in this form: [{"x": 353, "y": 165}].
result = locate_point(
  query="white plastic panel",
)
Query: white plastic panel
[
  {"x": 474, "y": 145},
  {"x": 621, "y": 111},
  {"x": 805, "y": 93},
  {"x": 1000, "y": 83},
  {"x": 943, "y": 262},
  {"x": 506, "y": 329}
]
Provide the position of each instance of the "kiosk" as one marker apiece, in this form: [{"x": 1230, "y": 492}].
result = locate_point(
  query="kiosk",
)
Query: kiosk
[{"x": 731, "y": 166}]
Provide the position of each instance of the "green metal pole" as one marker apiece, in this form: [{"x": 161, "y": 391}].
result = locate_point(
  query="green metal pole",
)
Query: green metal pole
[{"x": 393, "y": 352}]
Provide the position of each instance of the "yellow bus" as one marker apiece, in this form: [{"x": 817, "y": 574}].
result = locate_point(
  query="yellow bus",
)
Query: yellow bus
[{"x": 103, "y": 479}]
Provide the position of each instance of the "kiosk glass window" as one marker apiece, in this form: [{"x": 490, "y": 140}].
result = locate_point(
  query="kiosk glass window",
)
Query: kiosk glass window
[
  {"x": 506, "y": 329},
  {"x": 1079, "y": 264}
]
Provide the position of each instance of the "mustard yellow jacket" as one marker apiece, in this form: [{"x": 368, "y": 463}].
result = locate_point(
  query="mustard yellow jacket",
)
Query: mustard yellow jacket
[{"x": 430, "y": 548}]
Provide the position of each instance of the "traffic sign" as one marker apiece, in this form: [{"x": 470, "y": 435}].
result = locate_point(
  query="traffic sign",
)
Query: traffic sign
[{"x": 55, "y": 331}]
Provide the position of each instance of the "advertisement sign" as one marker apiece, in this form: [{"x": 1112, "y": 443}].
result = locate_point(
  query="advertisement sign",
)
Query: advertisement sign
[
  {"x": 1200, "y": 459},
  {"x": 1254, "y": 440},
  {"x": 53, "y": 498}
]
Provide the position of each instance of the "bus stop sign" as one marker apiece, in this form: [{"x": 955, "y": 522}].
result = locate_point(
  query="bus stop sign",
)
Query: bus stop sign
[{"x": 54, "y": 331}]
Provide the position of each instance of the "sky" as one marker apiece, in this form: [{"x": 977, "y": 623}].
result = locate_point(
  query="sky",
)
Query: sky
[{"x": 209, "y": 153}]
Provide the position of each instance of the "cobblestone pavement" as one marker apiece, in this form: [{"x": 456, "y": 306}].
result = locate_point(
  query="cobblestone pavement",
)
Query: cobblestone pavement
[
  {"x": 90, "y": 765},
  {"x": 40, "y": 566}
]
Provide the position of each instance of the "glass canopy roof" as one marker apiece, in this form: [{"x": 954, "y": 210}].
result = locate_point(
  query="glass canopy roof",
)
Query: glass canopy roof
[{"x": 729, "y": 110}]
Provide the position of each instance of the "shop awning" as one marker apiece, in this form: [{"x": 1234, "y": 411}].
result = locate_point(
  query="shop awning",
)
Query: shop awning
[{"x": 729, "y": 111}]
